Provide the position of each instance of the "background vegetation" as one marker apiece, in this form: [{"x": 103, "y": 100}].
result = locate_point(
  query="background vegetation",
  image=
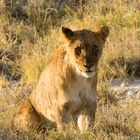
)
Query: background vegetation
[{"x": 29, "y": 34}]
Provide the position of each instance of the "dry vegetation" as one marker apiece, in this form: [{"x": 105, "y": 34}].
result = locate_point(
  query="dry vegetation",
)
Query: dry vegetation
[{"x": 28, "y": 40}]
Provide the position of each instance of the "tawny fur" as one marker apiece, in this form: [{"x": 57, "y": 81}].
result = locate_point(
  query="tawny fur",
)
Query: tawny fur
[{"x": 67, "y": 87}]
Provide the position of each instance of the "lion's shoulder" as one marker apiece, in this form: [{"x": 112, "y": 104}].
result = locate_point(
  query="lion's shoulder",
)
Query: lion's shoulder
[{"x": 60, "y": 53}]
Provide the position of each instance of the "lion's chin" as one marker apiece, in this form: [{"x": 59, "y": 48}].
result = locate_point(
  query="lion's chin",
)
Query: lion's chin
[{"x": 88, "y": 74}]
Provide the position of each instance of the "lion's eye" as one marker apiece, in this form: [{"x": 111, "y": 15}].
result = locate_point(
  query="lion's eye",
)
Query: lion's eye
[
  {"x": 95, "y": 48},
  {"x": 78, "y": 50}
]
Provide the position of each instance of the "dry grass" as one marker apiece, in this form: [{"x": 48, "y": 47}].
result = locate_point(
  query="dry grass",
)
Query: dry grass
[
  {"x": 26, "y": 45},
  {"x": 115, "y": 119}
]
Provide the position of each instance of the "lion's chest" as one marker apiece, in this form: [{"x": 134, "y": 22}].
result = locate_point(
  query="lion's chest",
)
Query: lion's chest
[{"x": 81, "y": 95}]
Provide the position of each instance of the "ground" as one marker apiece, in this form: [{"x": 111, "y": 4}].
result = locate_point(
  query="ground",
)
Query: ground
[{"x": 117, "y": 117}]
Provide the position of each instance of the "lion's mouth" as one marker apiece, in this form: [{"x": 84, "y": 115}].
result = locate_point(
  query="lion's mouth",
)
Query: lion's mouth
[{"x": 88, "y": 71}]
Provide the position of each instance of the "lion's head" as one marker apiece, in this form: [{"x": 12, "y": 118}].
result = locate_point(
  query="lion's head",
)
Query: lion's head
[{"x": 85, "y": 48}]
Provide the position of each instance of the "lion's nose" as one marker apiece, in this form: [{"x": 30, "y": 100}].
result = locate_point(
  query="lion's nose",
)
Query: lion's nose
[{"x": 88, "y": 65}]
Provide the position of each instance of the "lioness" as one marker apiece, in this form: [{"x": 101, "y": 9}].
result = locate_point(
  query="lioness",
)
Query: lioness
[{"x": 67, "y": 87}]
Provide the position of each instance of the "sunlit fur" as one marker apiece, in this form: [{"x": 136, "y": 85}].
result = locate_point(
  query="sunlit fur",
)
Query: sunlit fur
[{"x": 67, "y": 87}]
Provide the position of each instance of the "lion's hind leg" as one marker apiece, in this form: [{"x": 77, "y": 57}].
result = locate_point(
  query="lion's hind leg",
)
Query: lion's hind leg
[{"x": 27, "y": 118}]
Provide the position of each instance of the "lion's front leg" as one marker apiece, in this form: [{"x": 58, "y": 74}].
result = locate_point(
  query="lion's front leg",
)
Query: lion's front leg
[
  {"x": 86, "y": 117},
  {"x": 63, "y": 117}
]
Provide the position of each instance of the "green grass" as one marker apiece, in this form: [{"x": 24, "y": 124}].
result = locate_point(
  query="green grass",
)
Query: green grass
[{"x": 26, "y": 46}]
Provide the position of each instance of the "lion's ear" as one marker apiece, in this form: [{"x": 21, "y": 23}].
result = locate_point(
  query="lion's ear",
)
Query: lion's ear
[
  {"x": 104, "y": 32},
  {"x": 67, "y": 33}
]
